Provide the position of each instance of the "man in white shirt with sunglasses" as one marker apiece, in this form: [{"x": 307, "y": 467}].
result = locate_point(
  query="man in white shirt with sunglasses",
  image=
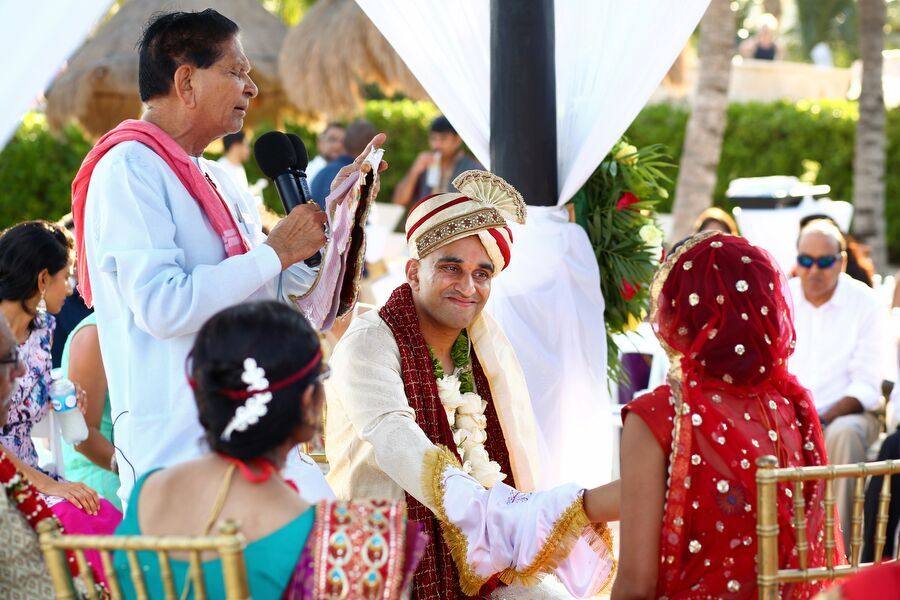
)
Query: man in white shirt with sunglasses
[{"x": 842, "y": 349}]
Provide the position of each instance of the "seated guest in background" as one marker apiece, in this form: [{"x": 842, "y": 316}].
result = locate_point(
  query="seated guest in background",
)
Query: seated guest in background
[
  {"x": 889, "y": 450},
  {"x": 93, "y": 461},
  {"x": 329, "y": 146},
  {"x": 257, "y": 373},
  {"x": 434, "y": 170},
  {"x": 689, "y": 448},
  {"x": 35, "y": 269},
  {"x": 23, "y": 573},
  {"x": 842, "y": 349},
  {"x": 237, "y": 152},
  {"x": 35, "y": 274},
  {"x": 715, "y": 219},
  {"x": 357, "y": 136},
  {"x": 73, "y": 310},
  {"x": 761, "y": 45},
  {"x": 859, "y": 264},
  {"x": 430, "y": 404}
]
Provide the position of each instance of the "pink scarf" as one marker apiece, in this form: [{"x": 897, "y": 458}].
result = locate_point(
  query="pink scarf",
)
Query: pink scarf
[{"x": 181, "y": 164}]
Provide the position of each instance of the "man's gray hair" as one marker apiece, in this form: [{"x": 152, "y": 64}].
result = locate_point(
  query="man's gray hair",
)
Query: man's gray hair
[{"x": 827, "y": 228}]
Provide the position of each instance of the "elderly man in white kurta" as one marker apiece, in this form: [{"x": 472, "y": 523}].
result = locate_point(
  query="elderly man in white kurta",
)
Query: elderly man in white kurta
[
  {"x": 166, "y": 240},
  {"x": 429, "y": 404}
]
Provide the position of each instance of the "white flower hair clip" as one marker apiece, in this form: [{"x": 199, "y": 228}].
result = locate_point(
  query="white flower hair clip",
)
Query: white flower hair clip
[{"x": 251, "y": 411}]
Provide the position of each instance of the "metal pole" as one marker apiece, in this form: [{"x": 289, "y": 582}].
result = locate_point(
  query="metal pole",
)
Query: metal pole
[{"x": 523, "y": 98}]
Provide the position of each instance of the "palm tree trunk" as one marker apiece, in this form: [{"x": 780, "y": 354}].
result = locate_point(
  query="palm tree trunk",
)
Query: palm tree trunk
[
  {"x": 869, "y": 153},
  {"x": 706, "y": 126}
]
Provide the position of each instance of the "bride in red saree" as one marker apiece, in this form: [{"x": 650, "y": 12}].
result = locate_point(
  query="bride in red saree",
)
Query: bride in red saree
[{"x": 722, "y": 311}]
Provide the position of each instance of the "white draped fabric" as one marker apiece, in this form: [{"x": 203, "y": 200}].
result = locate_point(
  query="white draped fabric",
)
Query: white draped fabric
[
  {"x": 549, "y": 303},
  {"x": 37, "y": 40},
  {"x": 610, "y": 56},
  {"x": 447, "y": 46}
]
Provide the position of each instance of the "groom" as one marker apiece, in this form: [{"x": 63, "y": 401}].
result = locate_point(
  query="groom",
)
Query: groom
[{"x": 431, "y": 405}]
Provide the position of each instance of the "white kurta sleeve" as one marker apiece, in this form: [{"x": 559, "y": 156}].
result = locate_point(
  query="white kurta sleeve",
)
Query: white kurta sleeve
[
  {"x": 369, "y": 386},
  {"x": 485, "y": 529},
  {"x": 867, "y": 362},
  {"x": 135, "y": 242}
]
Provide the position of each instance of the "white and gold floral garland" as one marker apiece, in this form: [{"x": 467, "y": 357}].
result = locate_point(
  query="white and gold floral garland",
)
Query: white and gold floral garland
[{"x": 465, "y": 413}]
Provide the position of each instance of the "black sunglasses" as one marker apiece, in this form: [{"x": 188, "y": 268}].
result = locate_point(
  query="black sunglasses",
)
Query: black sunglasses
[{"x": 823, "y": 262}]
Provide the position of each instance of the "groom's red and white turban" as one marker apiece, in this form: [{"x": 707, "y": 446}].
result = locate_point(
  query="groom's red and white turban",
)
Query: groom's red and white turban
[{"x": 483, "y": 207}]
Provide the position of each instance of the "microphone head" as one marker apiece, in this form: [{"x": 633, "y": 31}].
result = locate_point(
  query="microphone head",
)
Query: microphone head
[
  {"x": 274, "y": 153},
  {"x": 299, "y": 151}
]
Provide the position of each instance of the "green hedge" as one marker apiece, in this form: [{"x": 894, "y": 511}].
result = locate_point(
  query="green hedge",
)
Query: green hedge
[
  {"x": 406, "y": 124},
  {"x": 778, "y": 139},
  {"x": 36, "y": 171},
  {"x": 36, "y": 168}
]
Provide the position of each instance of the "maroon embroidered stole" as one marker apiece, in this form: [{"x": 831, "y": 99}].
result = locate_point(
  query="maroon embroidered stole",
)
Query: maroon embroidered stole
[{"x": 437, "y": 577}]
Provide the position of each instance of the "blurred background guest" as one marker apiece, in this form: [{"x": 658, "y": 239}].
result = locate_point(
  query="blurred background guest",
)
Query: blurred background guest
[
  {"x": 859, "y": 263},
  {"x": 74, "y": 309},
  {"x": 22, "y": 568},
  {"x": 434, "y": 169},
  {"x": 762, "y": 46},
  {"x": 93, "y": 461},
  {"x": 35, "y": 279},
  {"x": 236, "y": 153},
  {"x": 329, "y": 146},
  {"x": 358, "y": 134},
  {"x": 716, "y": 219},
  {"x": 842, "y": 345}
]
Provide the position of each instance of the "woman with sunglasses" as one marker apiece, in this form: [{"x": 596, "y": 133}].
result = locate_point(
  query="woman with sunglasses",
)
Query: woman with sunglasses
[{"x": 257, "y": 373}]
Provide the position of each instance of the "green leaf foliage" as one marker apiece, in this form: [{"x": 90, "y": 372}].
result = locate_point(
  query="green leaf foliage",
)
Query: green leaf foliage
[{"x": 627, "y": 261}]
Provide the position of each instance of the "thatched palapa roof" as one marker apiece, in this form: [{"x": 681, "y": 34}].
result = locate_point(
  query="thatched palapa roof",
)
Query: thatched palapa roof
[
  {"x": 99, "y": 88},
  {"x": 332, "y": 53}
]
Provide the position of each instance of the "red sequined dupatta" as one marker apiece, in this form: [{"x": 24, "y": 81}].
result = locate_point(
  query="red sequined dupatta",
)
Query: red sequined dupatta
[{"x": 721, "y": 309}]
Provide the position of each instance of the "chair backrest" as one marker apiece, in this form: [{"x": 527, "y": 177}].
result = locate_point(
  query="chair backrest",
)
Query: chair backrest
[
  {"x": 228, "y": 545},
  {"x": 768, "y": 475}
]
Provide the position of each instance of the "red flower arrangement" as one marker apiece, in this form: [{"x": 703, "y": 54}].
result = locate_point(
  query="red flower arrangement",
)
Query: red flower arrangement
[
  {"x": 628, "y": 291},
  {"x": 626, "y": 200}
]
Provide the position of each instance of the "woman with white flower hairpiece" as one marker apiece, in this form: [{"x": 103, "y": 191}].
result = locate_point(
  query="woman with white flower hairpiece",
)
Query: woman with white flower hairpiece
[{"x": 257, "y": 373}]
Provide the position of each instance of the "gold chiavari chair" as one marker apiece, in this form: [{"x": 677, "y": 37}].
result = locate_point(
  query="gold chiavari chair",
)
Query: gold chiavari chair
[
  {"x": 768, "y": 475},
  {"x": 228, "y": 545}
]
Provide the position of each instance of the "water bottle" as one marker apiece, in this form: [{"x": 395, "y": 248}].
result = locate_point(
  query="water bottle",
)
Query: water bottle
[
  {"x": 63, "y": 400},
  {"x": 433, "y": 174}
]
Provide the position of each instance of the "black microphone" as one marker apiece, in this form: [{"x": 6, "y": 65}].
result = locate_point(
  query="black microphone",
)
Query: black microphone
[
  {"x": 274, "y": 153},
  {"x": 300, "y": 169}
]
